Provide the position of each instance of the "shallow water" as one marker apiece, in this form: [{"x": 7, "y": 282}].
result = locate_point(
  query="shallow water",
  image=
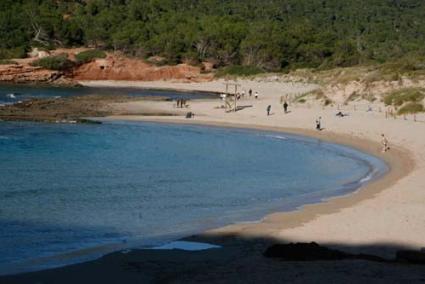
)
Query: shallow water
[
  {"x": 10, "y": 94},
  {"x": 65, "y": 188}
]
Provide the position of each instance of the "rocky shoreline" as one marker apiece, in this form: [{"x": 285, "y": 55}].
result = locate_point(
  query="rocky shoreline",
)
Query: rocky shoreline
[
  {"x": 68, "y": 110},
  {"x": 26, "y": 74}
]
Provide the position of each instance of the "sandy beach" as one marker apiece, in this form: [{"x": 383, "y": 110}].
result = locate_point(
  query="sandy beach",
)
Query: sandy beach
[
  {"x": 390, "y": 216},
  {"x": 380, "y": 218}
]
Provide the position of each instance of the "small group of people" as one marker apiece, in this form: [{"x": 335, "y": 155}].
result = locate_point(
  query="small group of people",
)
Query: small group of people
[
  {"x": 319, "y": 123},
  {"x": 285, "y": 108},
  {"x": 250, "y": 93},
  {"x": 384, "y": 142},
  {"x": 181, "y": 103},
  {"x": 340, "y": 114}
]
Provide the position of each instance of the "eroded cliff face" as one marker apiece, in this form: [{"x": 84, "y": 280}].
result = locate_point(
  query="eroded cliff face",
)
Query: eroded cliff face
[
  {"x": 122, "y": 68},
  {"x": 113, "y": 67},
  {"x": 19, "y": 73}
]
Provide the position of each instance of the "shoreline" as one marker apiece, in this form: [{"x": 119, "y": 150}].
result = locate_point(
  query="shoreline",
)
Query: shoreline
[
  {"x": 379, "y": 218},
  {"x": 399, "y": 161},
  {"x": 278, "y": 220}
]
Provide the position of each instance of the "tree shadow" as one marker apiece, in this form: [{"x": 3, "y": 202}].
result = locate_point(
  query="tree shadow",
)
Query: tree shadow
[
  {"x": 238, "y": 260},
  {"x": 242, "y": 107}
]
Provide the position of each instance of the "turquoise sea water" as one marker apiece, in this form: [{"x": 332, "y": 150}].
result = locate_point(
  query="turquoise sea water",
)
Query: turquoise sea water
[{"x": 64, "y": 188}]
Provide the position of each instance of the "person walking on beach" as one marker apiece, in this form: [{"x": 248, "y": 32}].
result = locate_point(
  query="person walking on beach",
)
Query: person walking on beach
[
  {"x": 250, "y": 92},
  {"x": 285, "y": 107},
  {"x": 269, "y": 108},
  {"x": 318, "y": 123},
  {"x": 384, "y": 142},
  {"x": 256, "y": 95}
]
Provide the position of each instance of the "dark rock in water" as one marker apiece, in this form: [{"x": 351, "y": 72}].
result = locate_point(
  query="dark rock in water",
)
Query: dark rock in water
[
  {"x": 411, "y": 256},
  {"x": 304, "y": 252},
  {"x": 89, "y": 121}
]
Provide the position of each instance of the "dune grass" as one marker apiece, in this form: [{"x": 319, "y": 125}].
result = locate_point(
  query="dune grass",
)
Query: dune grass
[
  {"x": 400, "y": 97},
  {"x": 411, "y": 108}
]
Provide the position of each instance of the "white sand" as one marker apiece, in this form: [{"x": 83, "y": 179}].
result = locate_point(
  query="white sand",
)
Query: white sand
[{"x": 393, "y": 216}]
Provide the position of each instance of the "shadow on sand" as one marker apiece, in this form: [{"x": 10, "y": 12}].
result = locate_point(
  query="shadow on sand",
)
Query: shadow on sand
[{"x": 239, "y": 260}]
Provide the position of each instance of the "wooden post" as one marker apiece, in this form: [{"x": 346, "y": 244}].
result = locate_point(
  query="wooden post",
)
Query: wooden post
[
  {"x": 236, "y": 97},
  {"x": 235, "y": 94}
]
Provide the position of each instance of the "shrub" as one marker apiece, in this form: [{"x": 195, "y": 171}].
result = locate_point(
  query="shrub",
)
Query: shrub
[
  {"x": 17, "y": 52},
  {"x": 411, "y": 108},
  {"x": 89, "y": 55},
  {"x": 327, "y": 102},
  {"x": 58, "y": 62},
  {"x": 239, "y": 70},
  {"x": 7, "y": 62}
]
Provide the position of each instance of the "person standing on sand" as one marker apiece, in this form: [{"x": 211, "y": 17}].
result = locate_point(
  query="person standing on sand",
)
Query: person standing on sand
[
  {"x": 269, "y": 108},
  {"x": 256, "y": 95},
  {"x": 285, "y": 107},
  {"x": 250, "y": 92},
  {"x": 384, "y": 142},
  {"x": 318, "y": 123}
]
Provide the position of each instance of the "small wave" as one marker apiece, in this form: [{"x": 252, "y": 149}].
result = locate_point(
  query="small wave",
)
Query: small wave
[
  {"x": 277, "y": 137},
  {"x": 367, "y": 178},
  {"x": 11, "y": 96}
]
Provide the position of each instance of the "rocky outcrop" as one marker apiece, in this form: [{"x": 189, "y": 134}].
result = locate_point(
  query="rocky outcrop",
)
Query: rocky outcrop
[
  {"x": 36, "y": 53},
  {"x": 25, "y": 73},
  {"x": 113, "y": 67}
]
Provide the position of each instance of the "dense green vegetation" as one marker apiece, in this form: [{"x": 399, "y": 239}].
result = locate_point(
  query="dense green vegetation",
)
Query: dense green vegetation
[
  {"x": 265, "y": 35},
  {"x": 58, "y": 62},
  {"x": 238, "y": 70},
  {"x": 89, "y": 55}
]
